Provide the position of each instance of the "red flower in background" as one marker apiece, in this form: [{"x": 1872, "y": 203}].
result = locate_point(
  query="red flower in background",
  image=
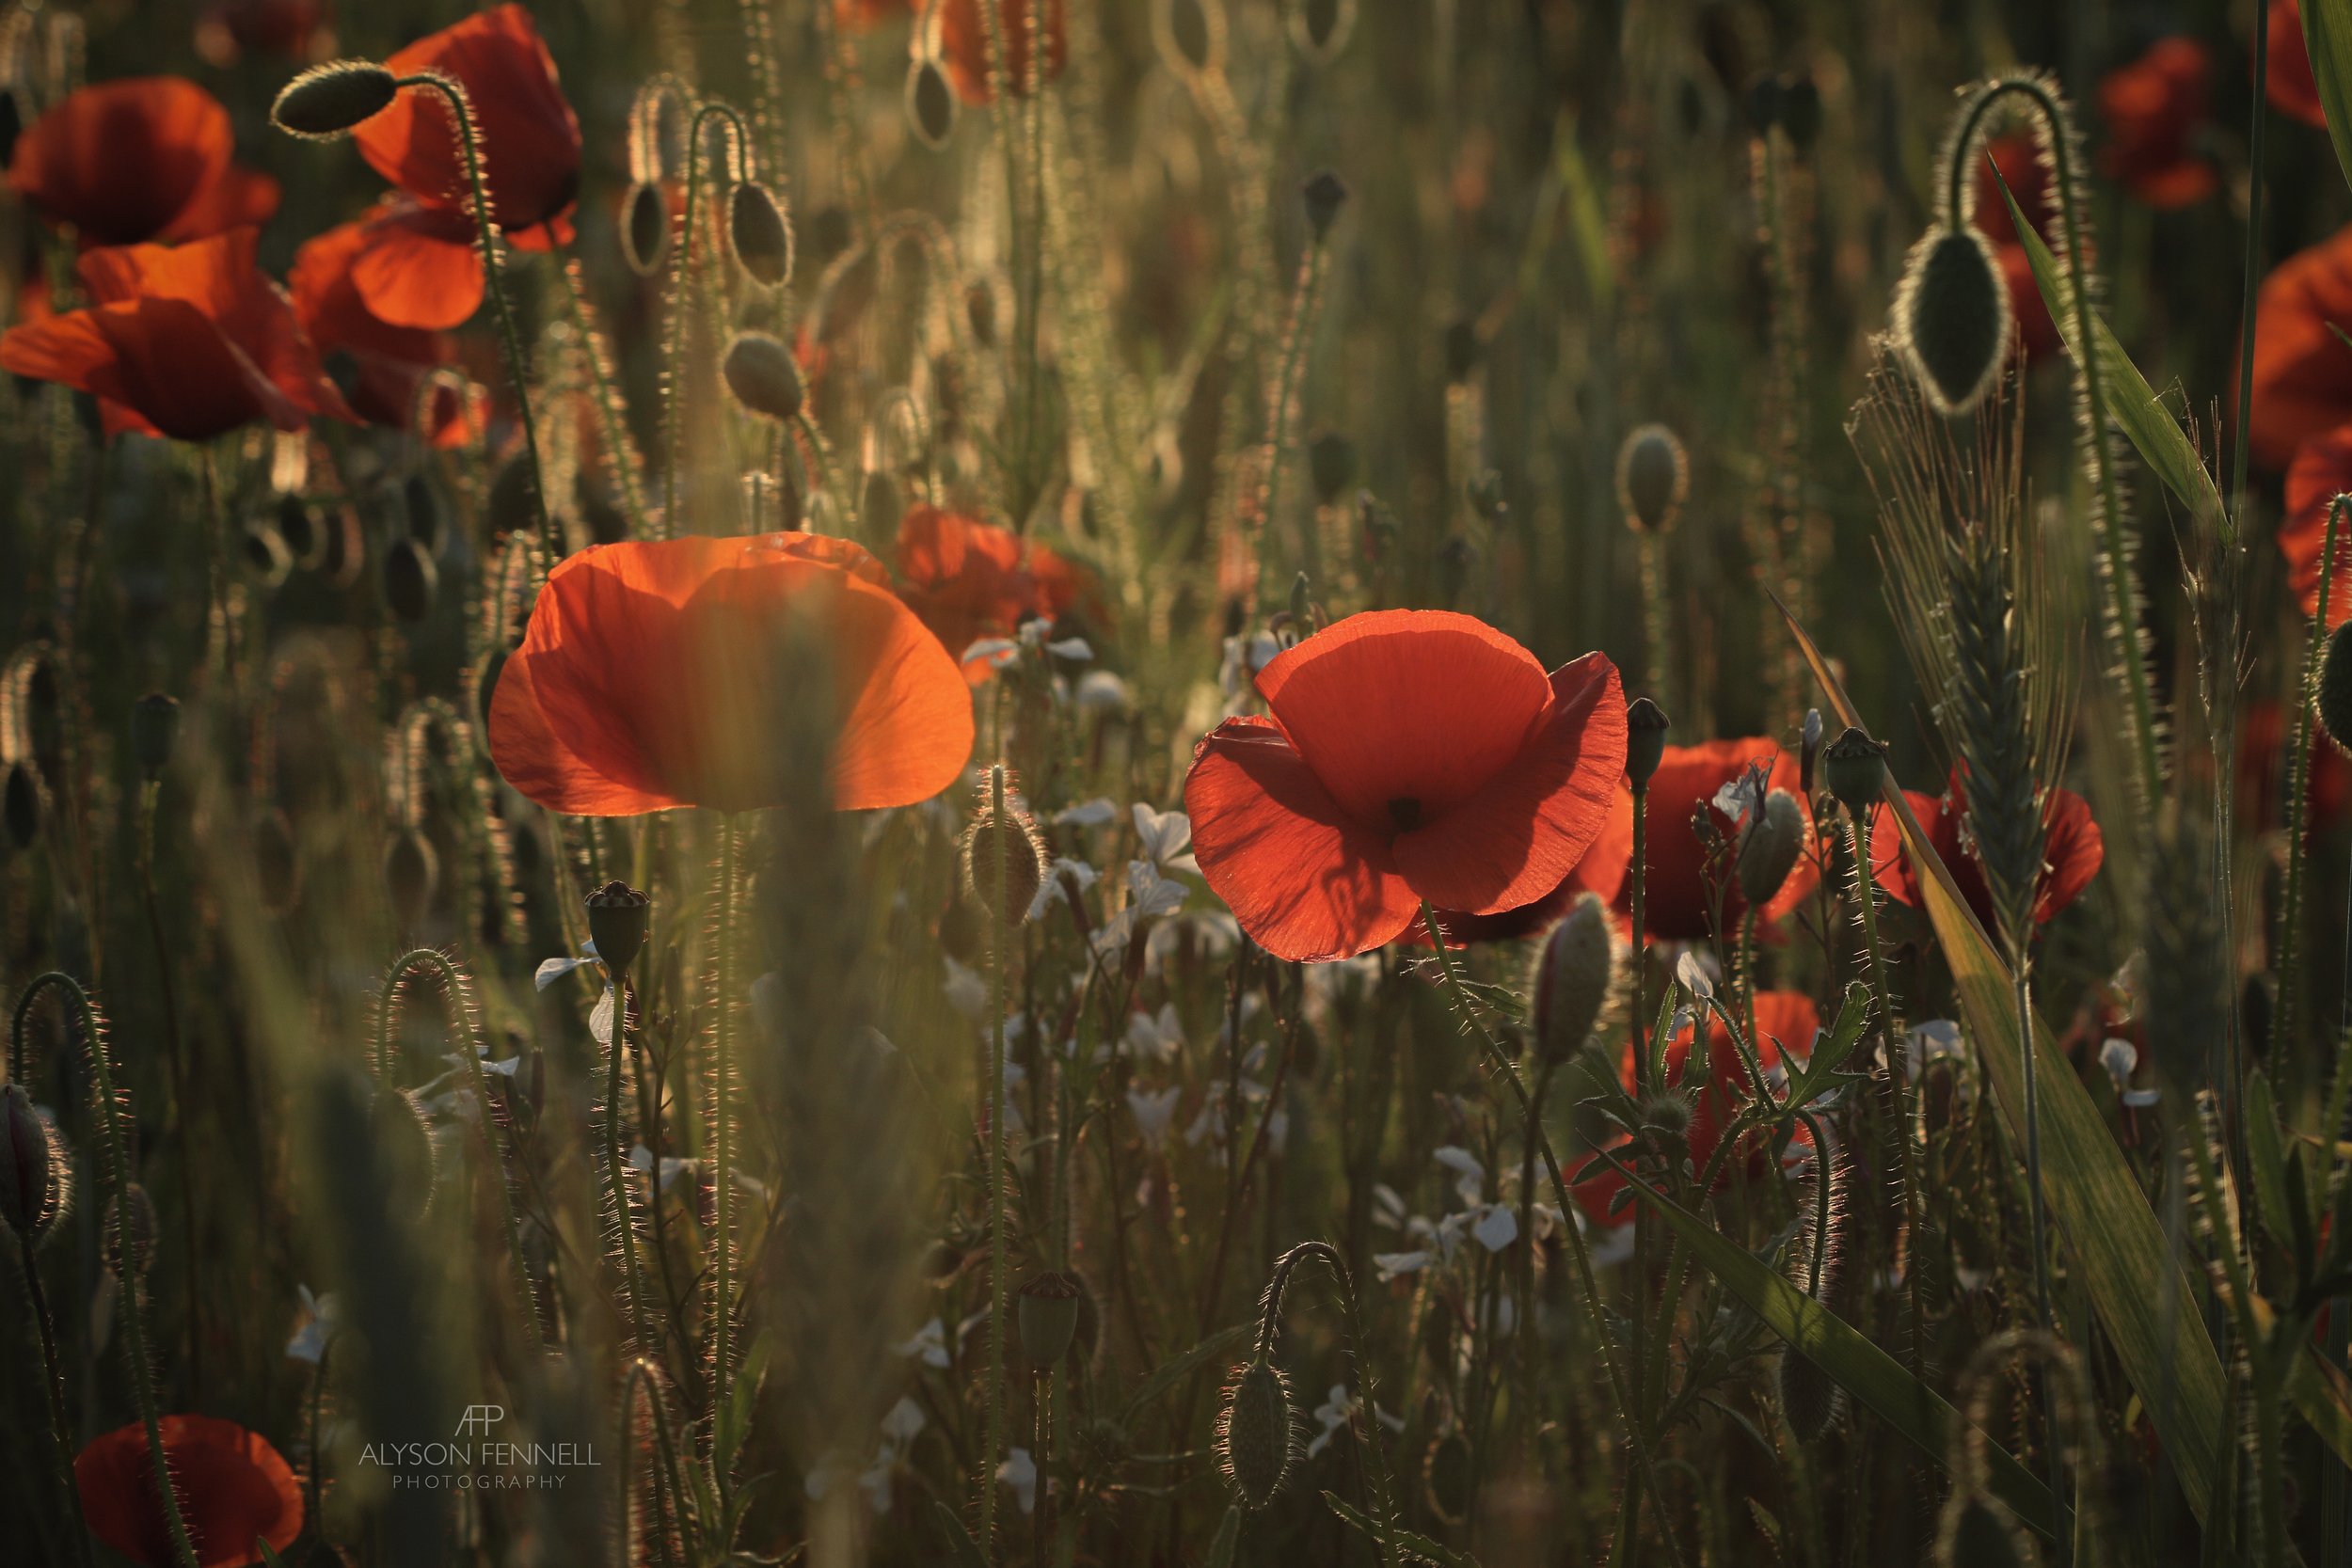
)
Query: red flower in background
[
  {"x": 858, "y": 16},
  {"x": 228, "y": 29},
  {"x": 1410, "y": 755},
  {"x": 232, "y": 1487},
  {"x": 2019, "y": 163},
  {"x": 2265, "y": 746},
  {"x": 964, "y": 44},
  {"x": 1603, "y": 871},
  {"x": 2302, "y": 371},
  {"x": 145, "y": 158},
  {"x": 2071, "y": 857},
  {"x": 1676, "y": 902},
  {"x": 969, "y": 580},
  {"x": 2322, "y": 471},
  {"x": 651, "y": 672},
  {"x": 2289, "y": 83},
  {"x": 2156, "y": 108},
  {"x": 1786, "y": 1021},
  {"x": 391, "y": 362},
  {"x": 530, "y": 140},
  {"x": 187, "y": 342}
]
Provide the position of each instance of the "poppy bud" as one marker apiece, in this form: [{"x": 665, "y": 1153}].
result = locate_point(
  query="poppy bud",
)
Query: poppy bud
[
  {"x": 1461, "y": 349},
  {"x": 1331, "y": 466},
  {"x": 1769, "y": 849},
  {"x": 619, "y": 918},
  {"x": 333, "y": 100},
  {"x": 29, "y": 1183},
  {"x": 303, "y": 529},
  {"x": 142, "y": 1249},
  {"x": 410, "y": 579},
  {"x": 1952, "y": 317},
  {"x": 1653, "y": 477},
  {"x": 2335, "y": 688},
  {"x": 763, "y": 376},
  {"x": 645, "y": 227},
  {"x": 1666, "y": 1117},
  {"x": 1447, "y": 1477},
  {"x": 1008, "y": 850},
  {"x": 1324, "y": 192},
  {"x": 759, "y": 234},
  {"x": 1048, "y": 1318},
  {"x": 931, "y": 103},
  {"x": 1256, "y": 1432},
  {"x": 1854, "y": 768},
  {"x": 878, "y": 502},
  {"x": 1192, "y": 32},
  {"x": 1573, "y": 975},
  {"x": 154, "y": 725},
  {"x": 412, "y": 870},
  {"x": 1763, "y": 103},
  {"x": 22, "y": 803},
  {"x": 1302, "y": 610},
  {"x": 405, "y": 1150},
  {"x": 1646, "y": 725},
  {"x": 1801, "y": 112}
]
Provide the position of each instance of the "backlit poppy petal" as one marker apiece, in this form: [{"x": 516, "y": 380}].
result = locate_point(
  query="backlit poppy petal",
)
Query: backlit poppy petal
[
  {"x": 2302, "y": 371},
  {"x": 2322, "y": 471},
  {"x": 1601, "y": 870},
  {"x": 2290, "y": 86},
  {"x": 1404, "y": 714},
  {"x": 233, "y": 1489},
  {"x": 1305, "y": 881},
  {"x": 2071, "y": 853},
  {"x": 420, "y": 267},
  {"x": 239, "y": 198},
  {"x": 1528, "y": 825},
  {"x": 388, "y": 364},
  {"x": 124, "y": 161},
  {"x": 2154, "y": 109}
]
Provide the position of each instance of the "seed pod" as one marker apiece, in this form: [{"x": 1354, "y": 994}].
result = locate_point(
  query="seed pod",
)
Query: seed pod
[
  {"x": 764, "y": 376},
  {"x": 1761, "y": 103},
  {"x": 412, "y": 871},
  {"x": 645, "y": 227},
  {"x": 24, "y": 802},
  {"x": 1952, "y": 317},
  {"x": 1574, "y": 973},
  {"x": 410, "y": 579},
  {"x": 1653, "y": 478},
  {"x": 1770, "y": 848},
  {"x": 1331, "y": 466},
  {"x": 759, "y": 234},
  {"x": 1854, "y": 766},
  {"x": 1323, "y": 194},
  {"x": 2335, "y": 687},
  {"x": 1048, "y": 1317},
  {"x": 155, "y": 727},
  {"x": 1257, "y": 1432},
  {"x": 931, "y": 103},
  {"x": 1646, "y": 725},
  {"x": 1319, "y": 28},
  {"x": 618, "y": 919},
  {"x": 142, "y": 1251},
  {"x": 28, "y": 1165},
  {"x": 1009, "y": 848},
  {"x": 333, "y": 100}
]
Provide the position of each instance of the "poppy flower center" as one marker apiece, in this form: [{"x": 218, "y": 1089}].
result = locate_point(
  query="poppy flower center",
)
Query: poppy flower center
[{"x": 1405, "y": 811}]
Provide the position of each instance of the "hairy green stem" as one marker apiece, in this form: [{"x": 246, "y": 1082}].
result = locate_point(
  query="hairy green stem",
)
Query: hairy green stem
[
  {"x": 722, "y": 1130},
  {"x": 616, "y": 1169},
  {"x": 681, "y": 278},
  {"x": 1895, "y": 1079},
  {"x": 998, "y": 1259},
  {"x": 53, "y": 1387},
  {"x": 2298, "y": 804}
]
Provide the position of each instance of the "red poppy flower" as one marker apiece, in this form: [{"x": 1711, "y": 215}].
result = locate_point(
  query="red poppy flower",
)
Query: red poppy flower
[
  {"x": 144, "y": 158},
  {"x": 2071, "y": 857},
  {"x": 2263, "y": 746},
  {"x": 2019, "y": 163},
  {"x": 390, "y": 361},
  {"x": 1409, "y": 755},
  {"x": 650, "y": 670},
  {"x": 2302, "y": 371},
  {"x": 1786, "y": 1021},
  {"x": 1676, "y": 905},
  {"x": 969, "y": 580},
  {"x": 2290, "y": 86},
  {"x": 2156, "y": 108},
  {"x": 964, "y": 44},
  {"x": 858, "y": 16},
  {"x": 530, "y": 138},
  {"x": 233, "y": 1490},
  {"x": 1602, "y": 872},
  {"x": 2322, "y": 471},
  {"x": 187, "y": 342}
]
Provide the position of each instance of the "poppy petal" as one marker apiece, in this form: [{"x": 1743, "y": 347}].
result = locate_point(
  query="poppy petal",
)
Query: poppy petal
[
  {"x": 420, "y": 267},
  {"x": 1305, "y": 881},
  {"x": 123, "y": 160},
  {"x": 2322, "y": 471},
  {"x": 233, "y": 1489},
  {"x": 1601, "y": 871},
  {"x": 239, "y": 197}
]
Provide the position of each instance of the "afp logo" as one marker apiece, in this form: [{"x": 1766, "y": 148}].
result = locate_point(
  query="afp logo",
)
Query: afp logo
[{"x": 480, "y": 1419}]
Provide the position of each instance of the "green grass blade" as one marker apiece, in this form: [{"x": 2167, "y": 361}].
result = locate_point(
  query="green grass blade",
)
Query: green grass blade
[{"x": 2328, "y": 35}]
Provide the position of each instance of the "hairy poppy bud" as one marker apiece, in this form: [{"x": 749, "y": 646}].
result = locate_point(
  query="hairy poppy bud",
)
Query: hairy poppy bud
[
  {"x": 277, "y": 863},
  {"x": 1256, "y": 1432},
  {"x": 412, "y": 870},
  {"x": 1461, "y": 348},
  {"x": 759, "y": 233},
  {"x": 931, "y": 103},
  {"x": 142, "y": 1248},
  {"x": 1324, "y": 192},
  {"x": 303, "y": 529},
  {"x": 412, "y": 581},
  {"x": 1048, "y": 1317},
  {"x": 154, "y": 726},
  {"x": 28, "y": 1165},
  {"x": 1763, "y": 102},
  {"x": 619, "y": 918},
  {"x": 2335, "y": 688},
  {"x": 1770, "y": 848},
  {"x": 1448, "y": 1477},
  {"x": 1653, "y": 477},
  {"x": 1666, "y": 1117},
  {"x": 22, "y": 803},
  {"x": 645, "y": 227},
  {"x": 333, "y": 100},
  {"x": 1573, "y": 975},
  {"x": 1331, "y": 466},
  {"x": 1952, "y": 317},
  {"x": 763, "y": 376},
  {"x": 1646, "y": 725},
  {"x": 1854, "y": 768},
  {"x": 1002, "y": 855}
]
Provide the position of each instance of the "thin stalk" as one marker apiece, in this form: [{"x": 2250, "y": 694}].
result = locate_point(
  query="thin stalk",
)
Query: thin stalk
[
  {"x": 681, "y": 277},
  {"x": 997, "y": 1260},
  {"x": 1895, "y": 1078},
  {"x": 616, "y": 1169},
  {"x": 619, "y": 454},
  {"x": 175, "y": 1057},
  {"x": 53, "y": 1387},
  {"x": 1650, "y": 549},
  {"x": 722, "y": 1131},
  {"x": 2299, "y": 805},
  {"x": 1365, "y": 1425},
  {"x": 641, "y": 1383},
  {"x": 1293, "y": 354},
  {"x": 1525, "y": 1394}
]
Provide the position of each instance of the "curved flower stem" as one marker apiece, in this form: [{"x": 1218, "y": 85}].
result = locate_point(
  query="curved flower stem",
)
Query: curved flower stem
[
  {"x": 53, "y": 1387},
  {"x": 175, "y": 1058},
  {"x": 1509, "y": 1072},
  {"x": 681, "y": 278},
  {"x": 1895, "y": 1081},
  {"x": 723, "y": 1131},
  {"x": 997, "y": 1161},
  {"x": 111, "y": 1107},
  {"x": 2298, "y": 790},
  {"x": 619, "y": 454},
  {"x": 616, "y": 1169},
  {"x": 1365, "y": 1423}
]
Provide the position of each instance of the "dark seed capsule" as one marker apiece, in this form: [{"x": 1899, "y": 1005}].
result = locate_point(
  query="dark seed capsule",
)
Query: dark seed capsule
[
  {"x": 1048, "y": 1317},
  {"x": 1810, "y": 1400},
  {"x": 763, "y": 376},
  {"x": 333, "y": 100},
  {"x": 1256, "y": 1432},
  {"x": 1323, "y": 194},
  {"x": 423, "y": 506},
  {"x": 1854, "y": 768},
  {"x": 2335, "y": 682},
  {"x": 1461, "y": 349},
  {"x": 619, "y": 918},
  {"x": 1653, "y": 477},
  {"x": 1331, "y": 465},
  {"x": 1646, "y": 725},
  {"x": 1446, "y": 1478},
  {"x": 759, "y": 234},
  {"x": 1801, "y": 112},
  {"x": 410, "y": 579},
  {"x": 1952, "y": 317},
  {"x": 645, "y": 227},
  {"x": 931, "y": 103},
  {"x": 1192, "y": 33},
  {"x": 303, "y": 529},
  {"x": 22, "y": 803}
]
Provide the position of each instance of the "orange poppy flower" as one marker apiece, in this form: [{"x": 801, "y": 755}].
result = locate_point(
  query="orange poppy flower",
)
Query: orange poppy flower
[
  {"x": 969, "y": 580},
  {"x": 2290, "y": 86},
  {"x": 1410, "y": 755},
  {"x": 233, "y": 1489},
  {"x": 2019, "y": 163},
  {"x": 530, "y": 140},
  {"x": 964, "y": 44},
  {"x": 2156, "y": 108},
  {"x": 144, "y": 158},
  {"x": 1784, "y": 1020},
  {"x": 2322, "y": 471},
  {"x": 2071, "y": 856},
  {"x": 2302, "y": 371},
  {"x": 1602, "y": 872},
  {"x": 650, "y": 670},
  {"x": 389, "y": 361},
  {"x": 187, "y": 342},
  {"x": 1677, "y": 903}
]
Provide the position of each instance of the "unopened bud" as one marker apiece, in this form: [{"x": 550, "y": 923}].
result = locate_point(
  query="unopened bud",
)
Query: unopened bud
[
  {"x": 1653, "y": 477},
  {"x": 1952, "y": 317},
  {"x": 28, "y": 1165},
  {"x": 154, "y": 728},
  {"x": 2335, "y": 688},
  {"x": 1770, "y": 848},
  {"x": 1331, "y": 466},
  {"x": 405, "y": 1150},
  {"x": 1575, "y": 970},
  {"x": 1854, "y": 768},
  {"x": 1048, "y": 1317},
  {"x": 931, "y": 103},
  {"x": 618, "y": 919},
  {"x": 759, "y": 234},
  {"x": 333, "y": 100},
  {"x": 1193, "y": 31},
  {"x": 22, "y": 803},
  {"x": 764, "y": 376},
  {"x": 645, "y": 227},
  {"x": 1324, "y": 192},
  {"x": 1004, "y": 861},
  {"x": 1646, "y": 725},
  {"x": 1256, "y": 1432}
]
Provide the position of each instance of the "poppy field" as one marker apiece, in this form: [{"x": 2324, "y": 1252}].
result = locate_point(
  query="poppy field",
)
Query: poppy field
[{"x": 1175, "y": 783}]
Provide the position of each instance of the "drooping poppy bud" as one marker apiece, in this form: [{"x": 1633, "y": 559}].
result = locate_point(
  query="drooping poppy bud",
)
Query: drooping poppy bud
[
  {"x": 155, "y": 727},
  {"x": 405, "y": 1147},
  {"x": 1646, "y": 725},
  {"x": 1323, "y": 194},
  {"x": 619, "y": 918},
  {"x": 764, "y": 376},
  {"x": 1192, "y": 33},
  {"x": 1331, "y": 466},
  {"x": 1002, "y": 854},
  {"x": 267, "y": 556},
  {"x": 2335, "y": 688},
  {"x": 1574, "y": 973},
  {"x": 1653, "y": 477},
  {"x": 22, "y": 803},
  {"x": 1770, "y": 848},
  {"x": 645, "y": 227},
  {"x": 759, "y": 234},
  {"x": 1854, "y": 766},
  {"x": 332, "y": 100},
  {"x": 931, "y": 101},
  {"x": 1952, "y": 317},
  {"x": 423, "y": 510},
  {"x": 1801, "y": 111},
  {"x": 1257, "y": 1432},
  {"x": 1320, "y": 27},
  {"x": 1048, "y": 1317},
  {"x": 29, "y": 1166}
]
